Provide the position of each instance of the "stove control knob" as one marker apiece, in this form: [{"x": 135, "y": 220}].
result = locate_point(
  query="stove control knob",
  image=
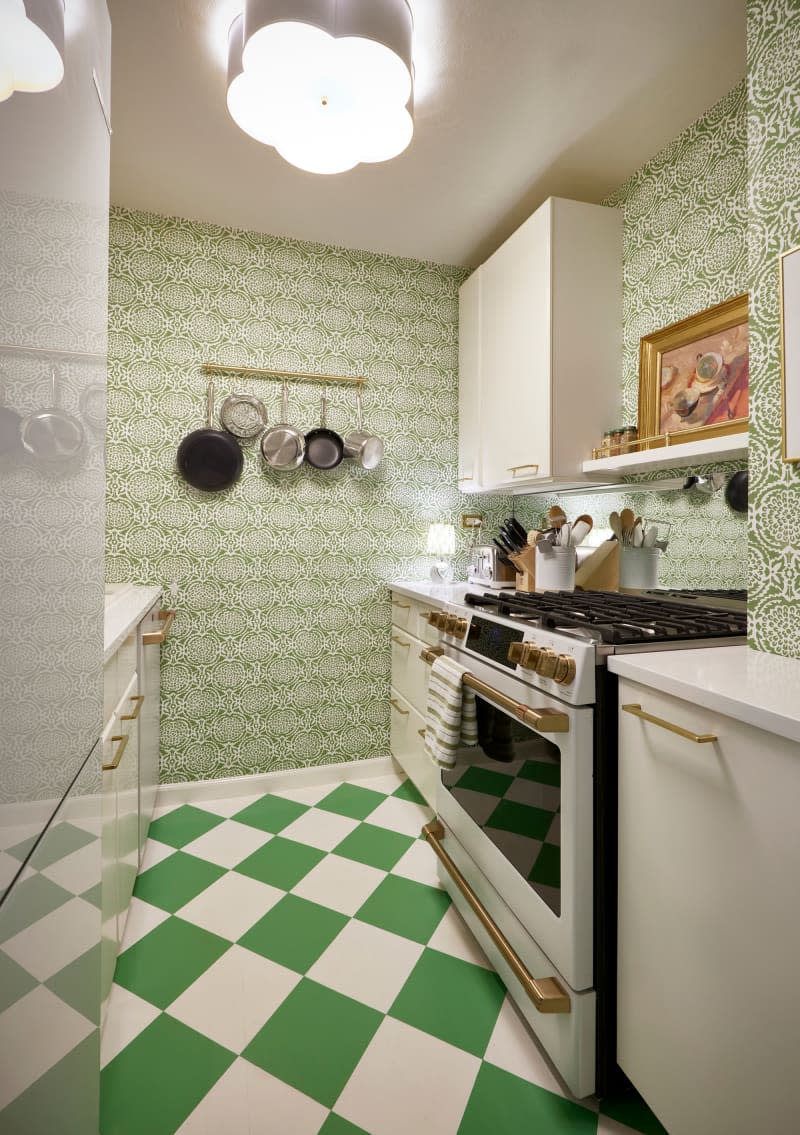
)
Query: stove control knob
[
  {"x": 565, "y": 670},
  {"x": 438, "y": 619},
  {"x": 530, "y": 656},
  {"x": 547, "y": 662},
  {"x": 462, "y": 627},
  {"x": 515, "y": 651}
]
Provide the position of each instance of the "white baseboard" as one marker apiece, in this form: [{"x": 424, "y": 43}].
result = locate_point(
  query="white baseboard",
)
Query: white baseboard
[{"x": 186, "y": 792}]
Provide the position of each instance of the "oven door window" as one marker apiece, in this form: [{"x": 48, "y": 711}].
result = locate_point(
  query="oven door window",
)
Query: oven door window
[{"x": 510, "y": 786}]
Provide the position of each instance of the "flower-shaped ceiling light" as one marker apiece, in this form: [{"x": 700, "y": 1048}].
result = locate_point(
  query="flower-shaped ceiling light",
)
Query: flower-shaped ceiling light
[
  {"x": 29, "y": 57},
  {"x": 328, "y": 83}
]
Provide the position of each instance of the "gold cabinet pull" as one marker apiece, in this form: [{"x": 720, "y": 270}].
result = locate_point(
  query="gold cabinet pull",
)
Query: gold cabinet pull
[
  {"x": 400, "y": 642},
  {"x": 421, "y": 732},
  {"x": 467, "y": 478},
  {"x": 114, "y": 762},
  {"x": 697, "y": 738},
  {"x": 514, "y": 469},
  {"x": 139, "y": 699},
  {"x": 155, "y": 638},
  {"x": 402, "y": 606},
  {"x": 546, "y": 993},
  {"x": 395, "y": 704}
]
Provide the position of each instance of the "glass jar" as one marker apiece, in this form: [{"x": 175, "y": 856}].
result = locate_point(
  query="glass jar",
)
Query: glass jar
[
  {"x": 630, "y": 436},
  {"x": 616, "y": 443}
]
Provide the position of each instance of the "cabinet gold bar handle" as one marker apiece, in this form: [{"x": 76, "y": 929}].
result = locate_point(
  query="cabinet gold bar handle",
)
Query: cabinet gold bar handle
[
  {"x": 123, "y": 741},
  {"x": 697, "y": 738},
  {"x": 467, "y": 478},
  {"x": 155, "y": 638},
  {"x": 400, "y": 642},
  {"x": 139, "y": 699},
  {"x": 546, "y": 993},
  {"x": 421, "y": 732},
  {"x": 402, "y": 606},
  {"x": 395, "y": 704},
  {"x": 516, "y": 468}
]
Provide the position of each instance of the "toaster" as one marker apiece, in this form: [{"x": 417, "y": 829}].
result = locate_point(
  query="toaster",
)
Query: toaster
[{"x": 488, "y": 569}]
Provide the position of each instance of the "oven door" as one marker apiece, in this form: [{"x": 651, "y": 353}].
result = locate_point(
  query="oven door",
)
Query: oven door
[{"x": 520, "y": 803}]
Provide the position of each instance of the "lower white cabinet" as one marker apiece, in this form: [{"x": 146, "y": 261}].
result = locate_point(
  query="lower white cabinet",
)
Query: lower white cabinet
[
  {"x": 411, "y": 633},
  {"x": 408, "y": 746},
  {"x": 709, "y": 922}
]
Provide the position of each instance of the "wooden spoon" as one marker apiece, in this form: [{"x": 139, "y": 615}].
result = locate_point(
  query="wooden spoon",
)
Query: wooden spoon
[
  {"x": 627, "y": 517},
  {"x": 615, "y": 524}
]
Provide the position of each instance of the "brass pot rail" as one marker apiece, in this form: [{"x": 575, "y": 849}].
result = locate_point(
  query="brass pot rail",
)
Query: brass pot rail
[
  {"x": 546, "y": 993},
  {"x": 697, "y": 738},
  {"x": 155, "y": 638},
  {"x": 545, "y": 720},
  {"x": 290, "y": 375}
]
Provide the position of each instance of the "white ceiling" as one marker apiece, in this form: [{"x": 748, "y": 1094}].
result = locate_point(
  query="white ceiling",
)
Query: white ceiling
[{"x": 515, "y": 100}]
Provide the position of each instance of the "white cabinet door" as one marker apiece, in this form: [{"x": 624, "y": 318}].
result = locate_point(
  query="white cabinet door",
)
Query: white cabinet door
[
  {"x": 709, "y": 924},
  {"x": 515, "y": 357},
  {"x": 127, "y": 788},
  {"x": 149, "y": 721},
  {"x": 469, "y": 383}
]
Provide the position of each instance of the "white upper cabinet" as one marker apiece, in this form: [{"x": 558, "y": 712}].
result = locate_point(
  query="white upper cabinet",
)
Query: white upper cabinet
[{"x": 540, "y": 350}]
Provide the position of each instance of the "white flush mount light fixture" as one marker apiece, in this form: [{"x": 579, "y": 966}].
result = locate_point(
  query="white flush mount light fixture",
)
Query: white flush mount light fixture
[
  {"x": 31, "y": 45},
  {"x": 328, "y": 83}
]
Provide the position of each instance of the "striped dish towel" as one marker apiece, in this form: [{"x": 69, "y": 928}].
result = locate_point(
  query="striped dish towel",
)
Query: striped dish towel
[{"x": 450, "y": 721}]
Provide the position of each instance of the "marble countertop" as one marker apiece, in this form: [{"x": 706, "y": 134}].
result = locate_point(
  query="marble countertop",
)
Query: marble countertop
[
  {"x": 442, "y": 593},
  {"x": 125, "y": 606},
  {"x": 748, "y": 685}
]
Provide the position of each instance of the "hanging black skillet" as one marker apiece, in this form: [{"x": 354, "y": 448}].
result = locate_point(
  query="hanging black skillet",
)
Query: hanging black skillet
[
  {"x": 324, "y": 447},
  {"x": 736, "y": 491},
  {"x": 210, "y": 459}
]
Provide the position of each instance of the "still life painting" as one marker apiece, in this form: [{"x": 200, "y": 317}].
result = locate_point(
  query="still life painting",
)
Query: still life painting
[{"x": 694, "y": 376}]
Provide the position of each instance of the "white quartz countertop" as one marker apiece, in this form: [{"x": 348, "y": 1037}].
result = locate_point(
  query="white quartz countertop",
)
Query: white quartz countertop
[
  {"x": 748, "y": 685},
  {"x": 442, "y": 593},
  {"x": 125, "y": 606}
]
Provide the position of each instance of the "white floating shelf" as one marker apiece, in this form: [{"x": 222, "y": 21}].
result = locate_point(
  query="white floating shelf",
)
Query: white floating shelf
[{"x": 731, "y": 448}]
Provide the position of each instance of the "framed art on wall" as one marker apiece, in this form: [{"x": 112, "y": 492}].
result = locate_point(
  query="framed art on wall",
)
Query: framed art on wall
[
  {"x": 694, "y": 376},
  {"x": 789, "y": 265}
]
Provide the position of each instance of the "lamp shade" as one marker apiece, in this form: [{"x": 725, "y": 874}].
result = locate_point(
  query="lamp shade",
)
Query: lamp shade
[
  {"x": 441, "y": 540},
  {"x": 31, "y": 42}
]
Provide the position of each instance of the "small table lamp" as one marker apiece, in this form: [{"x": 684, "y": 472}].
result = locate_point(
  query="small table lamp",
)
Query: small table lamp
[{"x": 441, "y": 543}]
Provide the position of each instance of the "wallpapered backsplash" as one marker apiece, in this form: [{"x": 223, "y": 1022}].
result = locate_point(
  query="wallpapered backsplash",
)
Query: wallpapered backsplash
[
  {"x": 280, "y": 655},
  {"x": 773, "y": 133}
]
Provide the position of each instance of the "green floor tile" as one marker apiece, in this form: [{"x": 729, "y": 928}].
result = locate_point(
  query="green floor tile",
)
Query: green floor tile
[
  {"x": 270, "y": 813},
  {"x": 15, "y": 982},
  {"x": 281, "y": 863},
  {"x": 409, "y": 791},
  {"x": 159, "y": 1079},
  {"x": 522, "y": 819},
  {"x": 544, "y": 772},
  {"x": 58, "y": 1103},
  {"x": 30, "y": 900},
  {"x": 314, "y": 1040},
  {"x": 94, "y": 895},
  {"x": 486, "y": 780},
  {"x": 547, "y": 868},
  {"x": 335, "y": 1125},
  {"x": 506, "y": 1105},
  {"x": 168, "y": 960},
  {"x": 451, "y": 999},
  {"x": 78, "y": 983},
  {"x": 175, "y": 881},
  {"x": 352, "y": 800},
  {"x": 58, "y": 842},
  {"x": 377, "y": 847},
  {"x": 294, "y": 933},
  {"x": 182, "y": 825},
  {"x": 405, "y": 907},
  {"x": 629, "y": 1108}
]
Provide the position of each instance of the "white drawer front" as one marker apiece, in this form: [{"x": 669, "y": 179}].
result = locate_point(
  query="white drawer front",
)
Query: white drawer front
[
  {"x": 412, "y": 616},
  {"x": 410, "y": 674},
  {"x": 408, "y": 747}
]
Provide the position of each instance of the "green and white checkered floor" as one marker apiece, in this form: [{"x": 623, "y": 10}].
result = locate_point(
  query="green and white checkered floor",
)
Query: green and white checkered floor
[{"x": 292, "y": 966}]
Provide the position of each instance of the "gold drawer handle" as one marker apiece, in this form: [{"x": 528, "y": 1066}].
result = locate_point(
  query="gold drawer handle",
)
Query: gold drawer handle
[
  {"x": 400, "y": 642},
  {"x": 698, "y": 738},
  {"x": 139, "y": 699},
  {"x": 395, "y": 704},
  {"x": 514, "y": 469},
  {"x": 467, "y": 478},
  {"x": 546, "y": 993},
  {"x": 402, "y": 606},
  {"x": 155, "y": 638},
  {"x": 421, "y": 732},
  {"x": 123, "y": 741}
]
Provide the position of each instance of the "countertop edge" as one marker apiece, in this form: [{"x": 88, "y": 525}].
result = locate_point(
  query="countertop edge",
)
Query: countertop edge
[
  {"x": 436, "y": 593},
  {"x": 123, "y": 611}
]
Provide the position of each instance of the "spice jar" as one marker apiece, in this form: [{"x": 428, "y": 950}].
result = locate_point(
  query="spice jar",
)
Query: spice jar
[
  {"x": 630, "y": 437},
  {"x": 616, "y": 443},
  {"x": 605, "y": 447}
]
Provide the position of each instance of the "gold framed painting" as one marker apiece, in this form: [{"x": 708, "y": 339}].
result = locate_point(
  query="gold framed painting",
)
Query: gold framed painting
[
  {"x": 789, "y": 265},
  {"x": 694, "y": 376}
]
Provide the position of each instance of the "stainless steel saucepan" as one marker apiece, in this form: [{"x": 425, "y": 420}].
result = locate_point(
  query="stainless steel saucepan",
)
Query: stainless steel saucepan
[
  {"x": 362, "y": 446},
  {"x": 282, "y": 446},
  {"x": 53, "y": 434}
]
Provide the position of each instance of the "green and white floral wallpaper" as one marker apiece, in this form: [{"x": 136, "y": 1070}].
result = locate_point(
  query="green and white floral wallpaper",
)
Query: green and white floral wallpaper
[
  {"x": 773, "y": 133},
  {"x": 280, "y": 655}
]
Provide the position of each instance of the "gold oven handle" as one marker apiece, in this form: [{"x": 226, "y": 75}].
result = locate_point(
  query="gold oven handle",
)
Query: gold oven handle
[
  {"x": 139, "y": 699},
  {"x": 114, "y": 762},
  {"x": 155, "y": 638},
  {"x": 697, "y": 738},
  {"x": 545, "y": 720},
  {"x": 546, "y": 993}
]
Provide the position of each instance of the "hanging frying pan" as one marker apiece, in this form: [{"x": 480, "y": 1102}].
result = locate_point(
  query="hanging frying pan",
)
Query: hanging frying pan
[
  {"x": 53, "y": 434},
  {"x": 736, "y": 491},
  {"x": 282, "y": 446},
  {"x": 324, "y": 447},
  {"x": 210, "y": 459}
]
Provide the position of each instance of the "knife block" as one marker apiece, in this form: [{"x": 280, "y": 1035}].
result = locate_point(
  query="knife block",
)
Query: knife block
[
  {"x": 600, "y": 571},
  {"x": 525, "y": 563}
]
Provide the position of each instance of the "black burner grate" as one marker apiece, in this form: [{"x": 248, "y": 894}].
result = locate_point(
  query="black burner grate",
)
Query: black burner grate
[{"x": 616, "y": 619}]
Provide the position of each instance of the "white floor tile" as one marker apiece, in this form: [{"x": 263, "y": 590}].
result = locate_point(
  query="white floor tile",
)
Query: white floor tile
[
  {"x": 228, "y": 843},
  {"x": 8, "y": 869},
  {"x": 339, "y": 883},
  {"x": 248, "y": 1101},
  {"x": 234, "y": 998},
  {"x": 46, "y": 946},
  {"x": 40, "y": 1029},
  {"x": 310, "y": 794},
  {"x": 231, "y": 905},
  {"x": 77, "y": 872},
  {"x": 368, "y": 964},
  {"x": 402, "y": 816},
  {"x": 389, "y": 782},
  {"x": 419, "y": 864},
  {"x": 228, "y": 806},
  {"x": 408, "y": 1081},
  {"x": 320, "y": 829},
  {"x": 608, "y": 1126},
  {"x": 142, "y": 918},
  {"x": 452, "y": 936},
  {"x": 126, "y": 1016},
  {"x": 155, "y": 852}
]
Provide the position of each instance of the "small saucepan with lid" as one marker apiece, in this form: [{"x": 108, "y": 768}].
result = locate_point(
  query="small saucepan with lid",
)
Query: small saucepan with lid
[
  {"x": 283, "y": 446},
  {"x": 361, "y": 446},
  {"x": 324, "y": 447}
]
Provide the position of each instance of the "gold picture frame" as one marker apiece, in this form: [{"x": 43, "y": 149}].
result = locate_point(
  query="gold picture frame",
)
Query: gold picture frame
[
  {"x": 694, "y": 378},
  {"x": 789, "y": 281}
]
